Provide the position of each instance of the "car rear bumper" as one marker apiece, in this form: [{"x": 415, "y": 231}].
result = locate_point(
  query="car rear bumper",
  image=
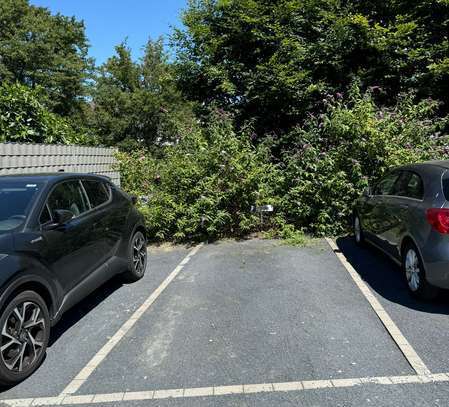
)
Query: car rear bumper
[
  {"x": 435, "y": 255},
  {"x": 438, "y": 274}
]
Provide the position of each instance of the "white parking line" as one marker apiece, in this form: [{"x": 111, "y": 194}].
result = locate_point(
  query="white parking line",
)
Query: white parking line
[
  {"x": 412, "y": 357},
  {"x": 84, "y": 374},
  {"x": 306, "y": 385}
]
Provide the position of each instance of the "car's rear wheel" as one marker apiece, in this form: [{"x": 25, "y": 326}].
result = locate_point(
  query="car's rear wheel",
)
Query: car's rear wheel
[
  {"x": 25, "y": 330},
  {"x": 137, "y": 257},
  {"x": 358, "y": 232},
  {"x": 415, "y": 274}
]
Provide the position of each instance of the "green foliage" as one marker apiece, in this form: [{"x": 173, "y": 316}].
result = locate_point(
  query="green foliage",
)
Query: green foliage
[
  {"x": 137, "y": 104},
  {"x": 273, "y": 62},
  {"x": 204, "y": 186},
  {"x": 259, "y": 106},
  {"x": 38, "y": 48},
  {"x": 332, "y": 157},
  {"x": 289, "y": 235},
  {"x": 25, "y": 117}
]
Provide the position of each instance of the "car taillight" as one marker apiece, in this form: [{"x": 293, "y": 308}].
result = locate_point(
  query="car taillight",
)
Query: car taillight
[{"x": 439, "y": 219}]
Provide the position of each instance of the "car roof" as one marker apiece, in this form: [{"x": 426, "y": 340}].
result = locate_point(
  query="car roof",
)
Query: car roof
[
  {"x": 439, "y": 163},
  {"x": 50, "y": 176},
  {"x": 426, "y": 164}
]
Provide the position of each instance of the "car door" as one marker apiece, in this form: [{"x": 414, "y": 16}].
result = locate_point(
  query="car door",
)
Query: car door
[
  {"x": 393, "y": 206},
  {"x": 105, "y": 225},
  {"x": 376, "y": 221},
  {"x": 404, "y": 209},
  {"x": 70, "y": 250}
]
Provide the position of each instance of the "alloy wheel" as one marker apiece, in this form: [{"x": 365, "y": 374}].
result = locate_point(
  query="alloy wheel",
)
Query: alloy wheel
[
  {"x": 139, "y": 254},
  {"x": 412, "y": 269},
  {"x": 22, "y": 337}
]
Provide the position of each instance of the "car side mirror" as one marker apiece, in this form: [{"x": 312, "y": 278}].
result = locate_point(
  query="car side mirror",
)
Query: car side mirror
[
  {"x": 367, "y": 192},
  {"x": 60, "y": 217}
]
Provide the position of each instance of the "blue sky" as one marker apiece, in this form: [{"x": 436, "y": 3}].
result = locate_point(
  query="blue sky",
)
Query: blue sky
[{"x": 108, "y": 22}]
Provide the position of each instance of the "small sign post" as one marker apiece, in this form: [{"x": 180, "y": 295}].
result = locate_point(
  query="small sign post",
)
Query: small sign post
[{"x": 261, "y": 210}]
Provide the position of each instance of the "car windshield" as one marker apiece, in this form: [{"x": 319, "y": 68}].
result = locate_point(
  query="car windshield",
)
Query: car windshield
[{"x": 16, "y": 198}]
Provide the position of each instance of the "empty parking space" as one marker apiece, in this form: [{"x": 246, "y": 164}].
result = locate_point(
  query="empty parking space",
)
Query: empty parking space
[
  {"x": 252, "y": 312},
  {"x": 424, "y": 324}
]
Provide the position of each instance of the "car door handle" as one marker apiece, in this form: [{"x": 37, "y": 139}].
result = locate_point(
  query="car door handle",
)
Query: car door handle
[
  {"x": 37, "y": 240},
  {"x": 403, "y": 206}
]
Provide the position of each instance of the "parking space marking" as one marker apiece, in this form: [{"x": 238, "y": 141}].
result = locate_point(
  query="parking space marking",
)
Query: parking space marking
[
  {"x": 84, "y": 374},
  {"x": 306, "y": 385},
  {"x": 407, "y": 350},
  {"x": 78, "y": 399}
]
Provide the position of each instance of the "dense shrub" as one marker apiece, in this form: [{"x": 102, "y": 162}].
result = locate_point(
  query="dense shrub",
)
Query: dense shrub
[
  {"x": 25, "y": 117},
  {"x": 204, "y": 186},
  {"x": 330, "y": 159}
]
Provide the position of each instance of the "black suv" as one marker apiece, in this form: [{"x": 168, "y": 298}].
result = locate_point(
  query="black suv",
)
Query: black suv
[{"x": 61, "y": 236}]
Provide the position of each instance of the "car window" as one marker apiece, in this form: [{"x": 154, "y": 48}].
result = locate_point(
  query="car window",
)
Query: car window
[
  {"x": 16, "y": 200},
  {"x": 400, "y": 187},
  {"x": 409, "y": 184},
  {"x": 414, "y": 187},
  {"x": 98, "y": 192},
  {"x": 68, "y": 196},
  {"x": 445, "y": 182},
  {"x": 45, "y": 216},
  {"x": 386, "y": 184}
]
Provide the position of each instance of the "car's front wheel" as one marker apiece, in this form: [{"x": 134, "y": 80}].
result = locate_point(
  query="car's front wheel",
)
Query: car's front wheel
[
  {"x": 137, "y": 257},
  {"x": 25, "y": 330},
  {"x": 415, "y": 274}
]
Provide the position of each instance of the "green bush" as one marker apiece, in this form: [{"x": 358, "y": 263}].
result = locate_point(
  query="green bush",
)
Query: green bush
[
  {"x": 204, "y": 186},
  {"x": 331, "y": 158},
  {"x": 26, "y": 118}
]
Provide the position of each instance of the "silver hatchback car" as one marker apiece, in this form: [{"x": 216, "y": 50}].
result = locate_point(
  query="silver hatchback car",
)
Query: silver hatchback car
[{"x": 406, "y": 215}]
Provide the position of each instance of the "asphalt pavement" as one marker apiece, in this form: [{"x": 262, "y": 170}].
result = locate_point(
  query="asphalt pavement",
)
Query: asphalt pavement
[{"x": 247, "y": 323}]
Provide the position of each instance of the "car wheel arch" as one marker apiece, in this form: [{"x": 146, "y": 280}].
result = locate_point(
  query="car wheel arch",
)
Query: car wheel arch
[
  {"x": 407, "y": 240},
  {"x": 140, "y": 228},
  {"x": 30, "y": 283}
]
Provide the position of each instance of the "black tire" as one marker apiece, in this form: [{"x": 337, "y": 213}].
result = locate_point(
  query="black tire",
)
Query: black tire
[
  {"x": 415, "y": 274},
  {"x": 137, "y": 258},
  {"x": 357, "y": 229},
  {"x": 25, "y": 325}
]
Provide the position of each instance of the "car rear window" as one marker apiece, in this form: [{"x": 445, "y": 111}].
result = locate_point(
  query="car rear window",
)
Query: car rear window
[
  {"x": 97, "y": 191},
  {"x": 446, "y": 186}
]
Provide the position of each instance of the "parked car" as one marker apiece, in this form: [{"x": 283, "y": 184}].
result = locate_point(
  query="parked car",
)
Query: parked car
[
  {"x": 406, "y": 215},
  {"x": 61, "y": 236}
]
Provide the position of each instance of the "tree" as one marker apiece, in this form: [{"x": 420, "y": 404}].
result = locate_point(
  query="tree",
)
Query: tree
[
  {"x": 25, "y": 118},
  {"x": 273, "y": 62},
  {"x": 137, "y": 103},
  {"x": 41, "y": 49}
]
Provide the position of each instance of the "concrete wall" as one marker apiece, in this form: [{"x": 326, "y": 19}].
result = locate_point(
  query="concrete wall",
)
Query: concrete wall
[{"x": 18, "y": 158}]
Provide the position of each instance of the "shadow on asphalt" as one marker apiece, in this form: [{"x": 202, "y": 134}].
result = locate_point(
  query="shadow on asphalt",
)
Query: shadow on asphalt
[
  {"x": 80, "y": 310},
  {"x": 386, "y": 278}
]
